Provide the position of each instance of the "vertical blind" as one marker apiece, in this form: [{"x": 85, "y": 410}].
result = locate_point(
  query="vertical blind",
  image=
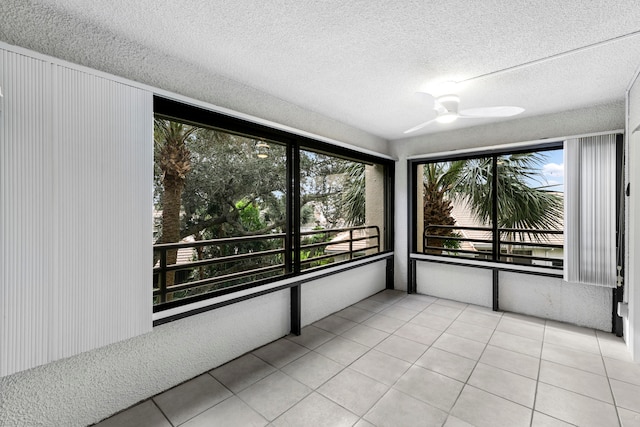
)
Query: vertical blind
[
  {"x": 590, "y": 210},
  {"x": 75, "y": 212}
]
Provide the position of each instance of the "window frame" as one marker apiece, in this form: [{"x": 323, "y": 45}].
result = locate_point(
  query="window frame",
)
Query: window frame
[
  {"x": 193, "y": 115},
  {"x": 493, "y": 154}
]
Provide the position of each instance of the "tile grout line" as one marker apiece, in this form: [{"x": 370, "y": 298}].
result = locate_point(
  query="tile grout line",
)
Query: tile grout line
[
  {"x": 576, "y": 368},
  {"x": 412, "y": 364},
  {"x": 501, "y": 397},
  {"x": 606, "y": 371},
  {"x": 478, "y": 361},
  {"x": 535, "y": 394},
  {"x": 466, "y": 381},
  {"x": 393, "y": 302},
  {"x": 370, "y": 348},
  {"x": 162, "y": 412},
  {"x": 362, "y": 417},
  {"x": 391, "y": 387},
  {"x": 344, "y": 367}
]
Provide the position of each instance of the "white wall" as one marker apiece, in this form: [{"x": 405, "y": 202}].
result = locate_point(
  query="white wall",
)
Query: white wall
[
  {"x": 80, "y": 144},
  {"x": 552, "y": 298},
  {"x": 600, "y": 118},
  {"x": 322, "y": 297},
  {"x": 149, "y": 66},
  {"x": 465, "y": 284},
  {"x": 544, "y": 297},
  {"x": 632, "y": 276},
  {"x": 86, "y": 388}
]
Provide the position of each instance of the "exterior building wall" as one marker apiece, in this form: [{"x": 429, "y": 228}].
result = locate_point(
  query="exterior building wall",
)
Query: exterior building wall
[{"x": 374, "y": 198}]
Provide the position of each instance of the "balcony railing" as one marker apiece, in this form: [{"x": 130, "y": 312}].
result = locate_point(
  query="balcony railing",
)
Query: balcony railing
[
  {"x": 321, "y": 247},
  {"x": 517, "y": 245},
  {"x": 225, "y": 265}
]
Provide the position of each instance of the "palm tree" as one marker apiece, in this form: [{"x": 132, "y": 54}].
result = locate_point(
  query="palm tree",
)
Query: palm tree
[
  {"x": 438, "y": 183},
  {"x": 353, "y": 196},
  {"x": 174, "y": 161},
  {"x": 521, "y": 205}
]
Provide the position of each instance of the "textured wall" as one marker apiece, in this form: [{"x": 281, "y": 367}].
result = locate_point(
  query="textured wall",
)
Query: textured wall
[
  {"x": 323, "y": 297},
  {"x": 551, "y": 298},
  {"x": 86, "y": 388},
  {"x": 63, "y": 36},
  {"x": 545, "y": 297},
  {"x": 90, "y": 386},
  {"x": 466, "y": 284},
  {"x": 595, "y": 119}
]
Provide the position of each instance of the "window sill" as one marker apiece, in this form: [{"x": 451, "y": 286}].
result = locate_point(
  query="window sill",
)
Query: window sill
[
  {"x": 196, "y": 307},
  {"x": 502, "y": 266}
]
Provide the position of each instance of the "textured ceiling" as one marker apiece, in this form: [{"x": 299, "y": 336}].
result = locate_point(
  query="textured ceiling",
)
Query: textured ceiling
[{"x": 360, "y": 61}]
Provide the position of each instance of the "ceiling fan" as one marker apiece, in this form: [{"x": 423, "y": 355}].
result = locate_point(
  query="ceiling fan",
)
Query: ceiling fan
[{"x": 446, "y": 107}]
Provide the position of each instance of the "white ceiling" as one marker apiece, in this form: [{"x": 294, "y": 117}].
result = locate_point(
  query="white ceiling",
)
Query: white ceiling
[{"x": 361, "y": 61}]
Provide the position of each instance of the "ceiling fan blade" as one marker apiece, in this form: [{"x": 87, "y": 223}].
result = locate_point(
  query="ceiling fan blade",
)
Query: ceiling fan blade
[
  {"x": 420, "y": 126},
  {"x": 504, "y": 111},
  {"x": 426, "y": 99}
]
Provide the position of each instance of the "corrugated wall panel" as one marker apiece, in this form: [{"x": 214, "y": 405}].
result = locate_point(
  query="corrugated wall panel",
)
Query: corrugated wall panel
[
  {"x": 25, "y": 195},
  {"x": 76, "y": 193},
  {"x": 104, "y": 135}
]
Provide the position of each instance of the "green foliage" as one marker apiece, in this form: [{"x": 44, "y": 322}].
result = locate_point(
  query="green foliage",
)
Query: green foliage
[
  {"x": 452, "y": 243},
  {"x": 522, "y": 200},
  {"x": 310, "y": 254},
  {"x": 353, "y": 200},
  {"x": 229, "y": 192},
  {"x": 334, "y": 187},
  {"x": 225, "y": 170},
  {"x": 520, "y": 204},
  {"x": 249, "y": 214}
]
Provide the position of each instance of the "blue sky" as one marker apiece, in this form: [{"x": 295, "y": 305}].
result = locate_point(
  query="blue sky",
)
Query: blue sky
[{"x": 553, "y": 170}]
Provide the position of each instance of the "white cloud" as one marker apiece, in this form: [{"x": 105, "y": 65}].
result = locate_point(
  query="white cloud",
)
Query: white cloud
[{"x": 553, "y": 169}]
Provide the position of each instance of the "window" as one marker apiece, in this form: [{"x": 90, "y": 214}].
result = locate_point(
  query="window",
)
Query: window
[
  {"x": 214, "y": 193},
  {"x": 238, "y": 205},
  {"x": 341, "y": 209},
  {"x": 502, "y": 207}
]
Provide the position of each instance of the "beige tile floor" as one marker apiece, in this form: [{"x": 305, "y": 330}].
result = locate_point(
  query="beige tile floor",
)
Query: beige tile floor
[{"x": 411, "y": 360}]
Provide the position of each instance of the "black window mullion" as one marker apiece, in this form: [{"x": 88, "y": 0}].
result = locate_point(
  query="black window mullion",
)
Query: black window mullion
[
  {"x": 293, "y": 233},
  {"x": 289, "y": 226},
  {"x": 389, "y": 196},
  {"x": 294, "y": 215},
  {"x": 414, "y": 182},
  {"x": 494, "y": 208},
  {"x": 201, "y": 117}
]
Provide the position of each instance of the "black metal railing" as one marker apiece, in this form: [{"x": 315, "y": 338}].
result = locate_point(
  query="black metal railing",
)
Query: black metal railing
[
  {"x": 516, "y": 245},
  {"x": 322, "y": 247},
  {"x": 186, "y": 269}
]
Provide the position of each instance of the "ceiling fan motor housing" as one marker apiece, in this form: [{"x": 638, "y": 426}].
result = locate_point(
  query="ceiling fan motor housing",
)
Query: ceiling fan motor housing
[{"x": 447, "y": 102}]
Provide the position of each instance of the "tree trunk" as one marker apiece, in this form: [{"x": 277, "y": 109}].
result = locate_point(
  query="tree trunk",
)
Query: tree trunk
[
  {"x": 171, "y": 220},
  {"x": 174, "y": 160},
  {"x": 437, "y": 211}
]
